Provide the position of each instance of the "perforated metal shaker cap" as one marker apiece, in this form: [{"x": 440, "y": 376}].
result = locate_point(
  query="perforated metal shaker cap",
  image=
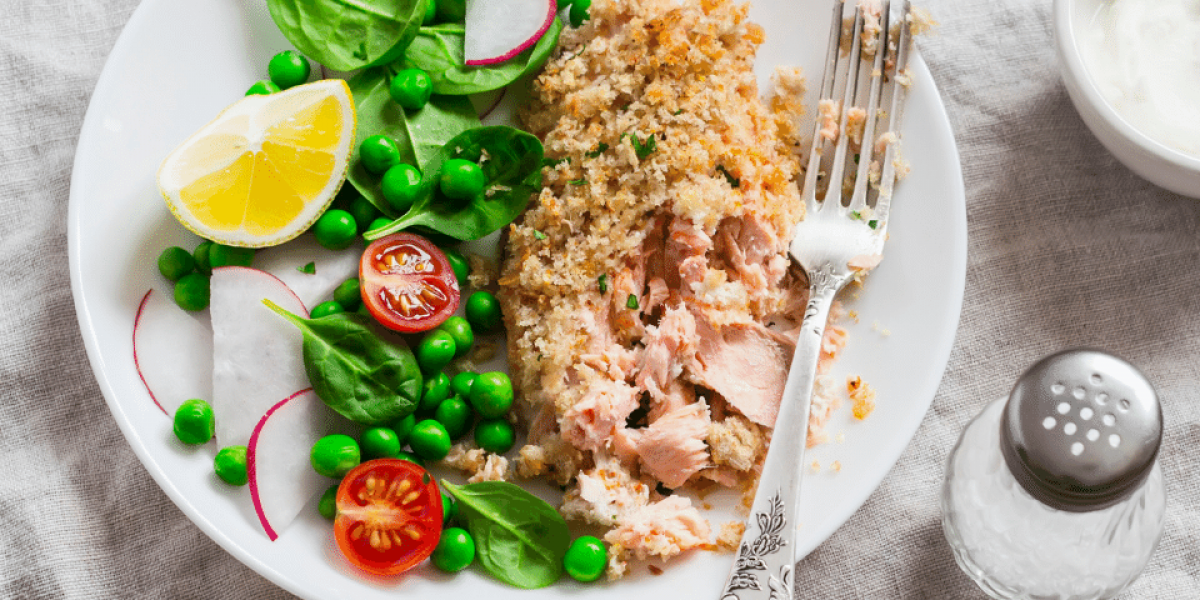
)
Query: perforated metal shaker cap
[{"x": 1081, "y": 430}]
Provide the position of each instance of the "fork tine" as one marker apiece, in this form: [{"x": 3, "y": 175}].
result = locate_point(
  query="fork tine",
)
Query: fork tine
[
  {"x": 858, "y": 200},
  {"x": 887, "y": 178},
  {"x": 828, "y": 79},
  {"x": 833, "y": 193}
]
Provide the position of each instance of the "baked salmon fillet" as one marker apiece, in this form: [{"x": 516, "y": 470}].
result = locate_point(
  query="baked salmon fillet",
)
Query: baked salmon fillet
[{"x": 647, "y": 292}]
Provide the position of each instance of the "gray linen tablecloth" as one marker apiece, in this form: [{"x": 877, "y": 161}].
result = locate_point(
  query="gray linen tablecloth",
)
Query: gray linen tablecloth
[{"x": 1067, "y": 248}]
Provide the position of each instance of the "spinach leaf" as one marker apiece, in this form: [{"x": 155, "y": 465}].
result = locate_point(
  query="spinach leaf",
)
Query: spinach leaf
[
  {"x": 519, "y": 538},
  {"x": 514, "y": 176},
  {"x": 355, "y": 370},
  {"x": 419, "y": 134},
  {"x": 439, "y": 51},
  {"x": 348, "y": 35}
]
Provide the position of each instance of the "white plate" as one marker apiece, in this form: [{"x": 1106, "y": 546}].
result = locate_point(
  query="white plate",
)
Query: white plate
[{"x": 178, "y": 63}]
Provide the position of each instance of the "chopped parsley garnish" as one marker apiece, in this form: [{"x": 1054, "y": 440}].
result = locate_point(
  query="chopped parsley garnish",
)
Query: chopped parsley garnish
[
  {"x": 577, "y": 182},
  {"x": 632, "y": 302},
  {"x": 538, "y": 235},
  {"x": 733, "y": 181},
  {"x": 598, "y": 151},
  {"x": 310, "y": 268},
  {"x": 642, "y": 149},
  {"x": 554, "y": 162},
  {"x": 873, "y": 223},
  {"x": 857, "y": 216},
  {"x": 677, "y": 112},
  {"x": 855, "y": 158},
  {"x": 602, "y": 282}
]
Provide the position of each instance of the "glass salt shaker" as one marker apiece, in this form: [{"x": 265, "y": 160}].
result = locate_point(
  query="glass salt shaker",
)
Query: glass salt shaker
[{"x": 1055, "y": 492}]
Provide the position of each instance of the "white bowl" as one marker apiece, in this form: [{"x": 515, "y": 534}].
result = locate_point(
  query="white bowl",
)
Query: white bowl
[{"x": 1154, "y": 161}]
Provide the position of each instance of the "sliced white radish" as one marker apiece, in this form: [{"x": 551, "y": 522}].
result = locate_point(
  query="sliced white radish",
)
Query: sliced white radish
[
  {"x": 330, "y": 267},
  {"x": 257, "y": 355},
  {"x": 497, "y": 30},
  {"x": 172, "y": 351},
  {"x": 281, "y": 479}
]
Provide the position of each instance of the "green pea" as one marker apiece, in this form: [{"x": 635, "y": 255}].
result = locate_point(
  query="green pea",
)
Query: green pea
[
  {"x": 364, "y": 212},
  {"x": 191, "y": 292},
  {"x": 462, "y": 267},
  {"x": 461, "y": 383},
  {"x": 579, "y": 12},
  {"x": 429, "y": 440},
  {"x": 194, "y": 423},
  {"x": 379, "y": 442},
  {"x": 403, "y": 428},
  {"x": 449, "y": 509},
  {"x": 379, "y": 153},
  {"x": 492, "y": 394},
  {"x": 325, "y": 309},
  {"x": 379, "y": 222},
  {"x": 348, "y": 294},
  {"x": 585, "y": 558},
  {"x": 435, "y": 351},
  {"x": 221, "y": 255},
  {"x": 200, "y": 254},
  {"x": 410, "y": 457},
  {"x": 455, "y": 415},
  {"x": 483, "y": 311},
  {"x": 288, "y": 68},
  {"x": 430, "y": 12},
  {"x": 461, "y": 179},
  {"x": 262, "y": 87},
  {"x": 411, "y": 88},
  {"x": 230, "y": 465},
  {"x": 175, "y": 262},
  {"x": 459, "y": 329},
  {"x": 436, "y": 389},
  {"x": 455, "y": 550},
  {"x": 327, "y": 505},
  {"x": 335, "y": 229},
  {"x": 401, "y": 185},
  {"x": 334, "y": 455},
  {"x": 495, "y": 435}
]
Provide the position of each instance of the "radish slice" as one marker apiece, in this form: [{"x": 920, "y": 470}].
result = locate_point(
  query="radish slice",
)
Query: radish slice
[
  {"x": 281, "y": 480},
  {"x": 256, "y": 355},
  {"x": 497, "y": 30},
  {"x": 330, "y": 267},
  {"x": 172, "y": 351}
]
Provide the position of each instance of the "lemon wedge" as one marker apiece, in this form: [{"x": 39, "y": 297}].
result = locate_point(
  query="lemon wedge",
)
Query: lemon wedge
[{"x": 266, "y": 168}]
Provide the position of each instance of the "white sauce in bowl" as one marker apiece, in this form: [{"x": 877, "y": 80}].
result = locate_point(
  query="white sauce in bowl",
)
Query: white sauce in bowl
[{"x": 1144, "y": 57}]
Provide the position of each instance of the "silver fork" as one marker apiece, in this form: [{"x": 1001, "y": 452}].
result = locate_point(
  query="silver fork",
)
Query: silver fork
[{"x": 832, "y": 234}]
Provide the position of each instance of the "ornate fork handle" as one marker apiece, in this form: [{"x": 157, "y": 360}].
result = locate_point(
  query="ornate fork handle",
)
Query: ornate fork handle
[{"x": 768, "y": 546}]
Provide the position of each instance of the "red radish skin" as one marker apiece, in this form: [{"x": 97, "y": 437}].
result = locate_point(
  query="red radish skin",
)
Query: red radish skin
[
  {"x": 172, "y": 352},
  {"x": 252, "y": 464},
  {"x": 551, "y": 7},
  {"x": 332, "y": 267},
  {"x": 137, "y": 363},
  {"x": 495, "y": 103}
]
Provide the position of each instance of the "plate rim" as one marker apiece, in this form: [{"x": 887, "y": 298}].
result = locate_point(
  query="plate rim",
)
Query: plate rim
[{"x": 90, "y": 125}]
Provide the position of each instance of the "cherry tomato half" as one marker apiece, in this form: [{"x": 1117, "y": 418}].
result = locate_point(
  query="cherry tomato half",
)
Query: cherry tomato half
[
  {"x": 389, "y": 516},
  {"x": 407, "y": 283}
]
